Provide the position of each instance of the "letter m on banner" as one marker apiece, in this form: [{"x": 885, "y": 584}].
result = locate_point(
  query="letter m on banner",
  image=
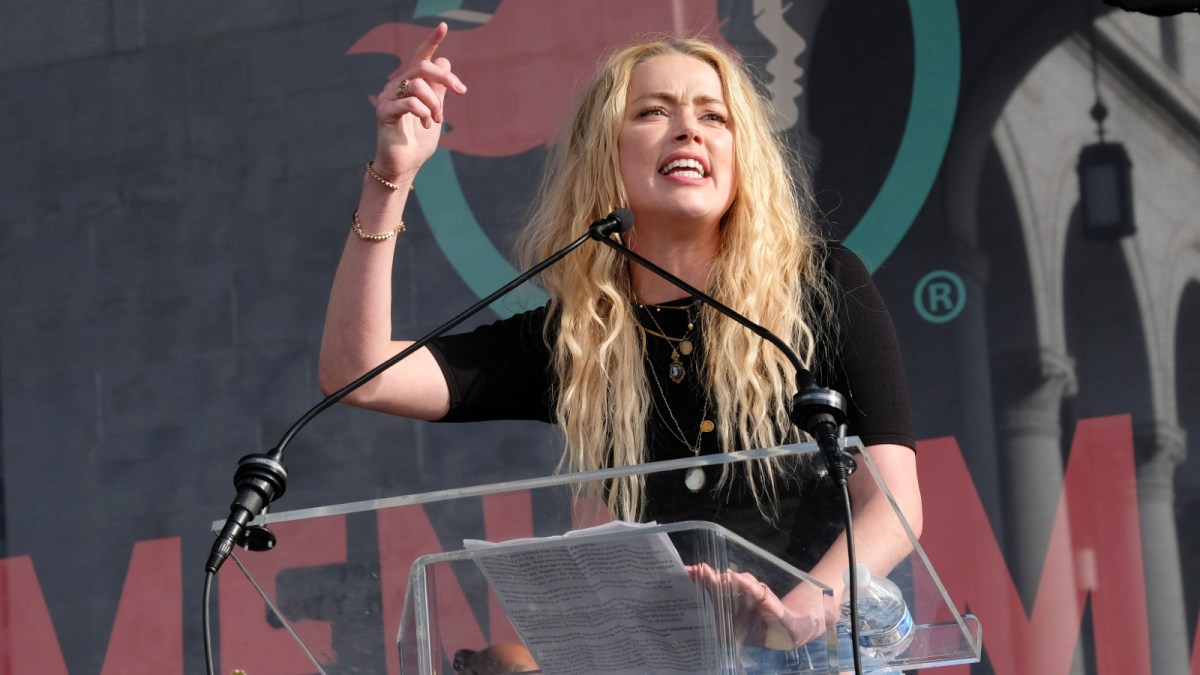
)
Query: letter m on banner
[{"x": 1094, "y": 552}]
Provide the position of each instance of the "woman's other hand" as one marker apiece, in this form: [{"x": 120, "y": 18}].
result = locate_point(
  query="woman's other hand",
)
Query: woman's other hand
[{"x": 762, "y": 618}]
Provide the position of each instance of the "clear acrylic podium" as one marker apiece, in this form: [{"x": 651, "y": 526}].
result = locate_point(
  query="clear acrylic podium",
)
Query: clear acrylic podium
[{"x": 387, "y": 586}]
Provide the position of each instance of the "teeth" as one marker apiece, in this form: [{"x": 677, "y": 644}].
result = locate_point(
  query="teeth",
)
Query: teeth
[{"x": 697, "y": 170}]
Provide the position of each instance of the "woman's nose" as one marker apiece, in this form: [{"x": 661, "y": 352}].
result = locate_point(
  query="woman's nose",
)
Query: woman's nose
[{"x": 688, "y": 130}]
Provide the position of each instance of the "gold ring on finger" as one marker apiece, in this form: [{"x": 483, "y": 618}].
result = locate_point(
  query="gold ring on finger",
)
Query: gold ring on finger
[{"x": 402, "y": 89}]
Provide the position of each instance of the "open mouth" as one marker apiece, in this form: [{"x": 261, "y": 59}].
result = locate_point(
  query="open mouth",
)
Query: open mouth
[{"x": 684, "y": 168}]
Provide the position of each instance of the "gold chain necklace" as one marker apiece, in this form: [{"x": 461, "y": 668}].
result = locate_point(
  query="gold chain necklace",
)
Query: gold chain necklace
[
  {"x": 680, "y": 346},
  {"x": 694, "y": 478}
]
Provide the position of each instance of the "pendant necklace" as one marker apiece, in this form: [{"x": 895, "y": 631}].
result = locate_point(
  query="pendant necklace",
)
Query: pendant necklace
[
  {"x": 680, "y": 346},
  {"x": 694, "y": 478}
]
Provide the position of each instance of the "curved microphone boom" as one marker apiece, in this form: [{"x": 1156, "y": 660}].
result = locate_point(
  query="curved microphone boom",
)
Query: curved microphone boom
[
  {"x": 262, "y": 478},
  {"x": 818, "y": 411}
]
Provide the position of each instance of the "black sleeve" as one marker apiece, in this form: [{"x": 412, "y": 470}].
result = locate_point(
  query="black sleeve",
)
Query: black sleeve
[
  {"x": 500, "y": 371},
  {"x": 863, "y": 362}
]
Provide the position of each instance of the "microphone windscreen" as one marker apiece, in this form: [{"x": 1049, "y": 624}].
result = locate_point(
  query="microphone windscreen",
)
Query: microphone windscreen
[{"x": 624, "y": 218}]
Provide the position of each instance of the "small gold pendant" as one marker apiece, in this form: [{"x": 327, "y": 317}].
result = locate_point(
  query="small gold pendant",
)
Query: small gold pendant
[
  {"x": 695, "y": 479},
  {"x": 685, "y": 347},
  {"x": 676, "y": 371},
  {"x": 706, "y": 426}
]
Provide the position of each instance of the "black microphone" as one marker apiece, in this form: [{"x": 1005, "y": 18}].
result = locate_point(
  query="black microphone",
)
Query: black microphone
[
  {"x": 262, "y": 478},
  {"x": 617, "y": 222},
  {"x": 818, "y": 411}
]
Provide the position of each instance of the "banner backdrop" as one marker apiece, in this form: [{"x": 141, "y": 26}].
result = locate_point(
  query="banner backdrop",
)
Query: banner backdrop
[{"x": 177, "y": 180}]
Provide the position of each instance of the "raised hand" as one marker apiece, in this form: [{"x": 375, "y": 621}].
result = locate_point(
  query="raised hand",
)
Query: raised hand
[{"x": 408, "y": 112}]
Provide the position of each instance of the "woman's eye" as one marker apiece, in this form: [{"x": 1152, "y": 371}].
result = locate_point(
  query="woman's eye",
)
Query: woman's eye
[
  {"x": 715, "y": 117},
  {"x": 649, "y": 112}
]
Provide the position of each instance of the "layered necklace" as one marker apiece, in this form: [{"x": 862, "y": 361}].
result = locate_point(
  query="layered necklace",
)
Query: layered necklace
[{"x": 681, "y": 347}]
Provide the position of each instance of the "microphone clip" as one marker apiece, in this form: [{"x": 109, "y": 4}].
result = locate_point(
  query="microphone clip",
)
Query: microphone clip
[
  {"x": 821, "y": 413},
  {"x": 260, "y": 479}
]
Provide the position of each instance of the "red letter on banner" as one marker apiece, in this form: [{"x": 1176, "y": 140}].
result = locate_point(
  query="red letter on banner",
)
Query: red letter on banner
[
  {"x": 148, "y": 627},
  {"x": 406, "y": 534},
  {"x": 250, "y": 643},
  {"x": 1094, "y": 547},
  {"x": 27, "y": 640},
  {"x": 149, "y": 623}
]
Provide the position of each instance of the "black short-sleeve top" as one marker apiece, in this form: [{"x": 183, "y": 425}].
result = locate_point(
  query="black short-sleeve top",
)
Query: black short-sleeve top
[{"x": 503, "y": 371}]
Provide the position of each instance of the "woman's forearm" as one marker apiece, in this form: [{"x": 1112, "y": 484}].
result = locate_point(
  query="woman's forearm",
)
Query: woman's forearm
[{"x": 880, "y": 541}]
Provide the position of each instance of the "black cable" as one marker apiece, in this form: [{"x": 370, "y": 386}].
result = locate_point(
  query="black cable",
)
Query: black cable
[
  {"x": 853, "y": 581},
  {"x": 839, "y": 472},
  {"x": 206, "y": 621}
]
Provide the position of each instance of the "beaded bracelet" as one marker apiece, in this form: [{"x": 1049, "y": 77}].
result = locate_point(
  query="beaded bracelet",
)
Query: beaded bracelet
[
  {"x": 356, "y": 228},
  {"x": 383, "y": 181}
]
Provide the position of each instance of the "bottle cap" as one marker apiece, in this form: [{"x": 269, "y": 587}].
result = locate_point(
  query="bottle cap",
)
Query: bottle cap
[{"x": 864, "y": 576}]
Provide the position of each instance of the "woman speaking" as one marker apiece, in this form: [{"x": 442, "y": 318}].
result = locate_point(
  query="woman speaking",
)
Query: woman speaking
[{"x": 624, "y": 363}]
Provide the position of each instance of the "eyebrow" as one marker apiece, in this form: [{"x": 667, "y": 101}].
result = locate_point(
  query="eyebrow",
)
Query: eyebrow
[{"x": 702, "y": 99}]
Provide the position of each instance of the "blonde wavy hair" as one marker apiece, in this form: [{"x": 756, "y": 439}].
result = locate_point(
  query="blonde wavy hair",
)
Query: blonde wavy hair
[{"x": 767, "y": 267}]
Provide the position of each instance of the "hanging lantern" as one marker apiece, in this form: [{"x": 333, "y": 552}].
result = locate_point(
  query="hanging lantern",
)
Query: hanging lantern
[
  {"x": 1105, "y": 173},
  {"x": 1106, "y": 191}
]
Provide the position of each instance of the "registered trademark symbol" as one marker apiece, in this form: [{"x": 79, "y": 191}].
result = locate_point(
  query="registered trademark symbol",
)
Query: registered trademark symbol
[{"x": 940, "y": 296}]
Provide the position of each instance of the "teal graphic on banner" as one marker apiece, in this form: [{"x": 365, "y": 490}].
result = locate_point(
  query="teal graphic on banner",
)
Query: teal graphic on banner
[
  {"x": 936, "y": 71},
  {"x": 937, "y": 62}
]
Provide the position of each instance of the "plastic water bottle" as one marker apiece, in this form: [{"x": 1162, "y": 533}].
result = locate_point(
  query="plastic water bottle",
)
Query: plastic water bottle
[{"x": 885, "y": 626}]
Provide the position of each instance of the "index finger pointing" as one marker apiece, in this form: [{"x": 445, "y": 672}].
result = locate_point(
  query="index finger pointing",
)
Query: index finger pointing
[{"x": 429, "y": 46}]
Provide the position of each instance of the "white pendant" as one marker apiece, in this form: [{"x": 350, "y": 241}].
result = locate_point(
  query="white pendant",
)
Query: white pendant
[{"x": 695, "y": 479}]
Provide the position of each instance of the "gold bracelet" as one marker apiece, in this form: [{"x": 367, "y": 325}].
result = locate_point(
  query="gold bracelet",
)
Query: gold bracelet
[
  {"x": 356, "y": 228},
  {"x": 383, "y": 181}
]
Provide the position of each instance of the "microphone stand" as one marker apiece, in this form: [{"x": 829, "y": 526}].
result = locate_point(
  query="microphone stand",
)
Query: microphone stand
[
  {"x": 818, "y": 411},
  {"x": 262, "y": 478}
]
